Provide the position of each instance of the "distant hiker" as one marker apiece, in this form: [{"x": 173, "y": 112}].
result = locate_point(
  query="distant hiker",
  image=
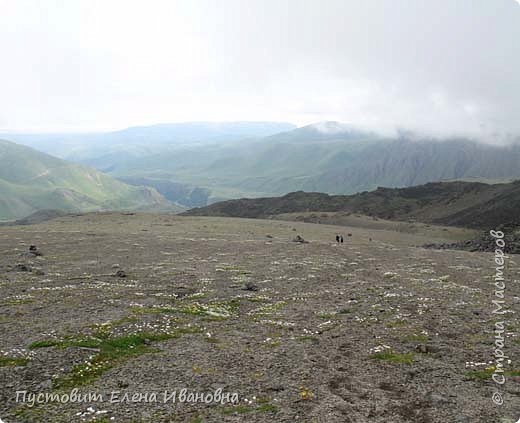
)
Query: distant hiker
[
  {"x": 341, "y": 239},
  {"x": 337, "y": 239}
]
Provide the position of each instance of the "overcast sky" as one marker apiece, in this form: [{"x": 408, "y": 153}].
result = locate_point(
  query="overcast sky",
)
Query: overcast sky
[{"x": 441, "y": 66}]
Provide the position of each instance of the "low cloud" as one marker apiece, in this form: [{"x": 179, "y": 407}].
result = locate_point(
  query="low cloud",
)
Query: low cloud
[{"x": 441, "y": 68}]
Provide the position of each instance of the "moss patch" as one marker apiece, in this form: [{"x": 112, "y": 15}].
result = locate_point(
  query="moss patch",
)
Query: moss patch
[
  {"x": 12, "y": 361},
  {"x": 112, "y": 350}
]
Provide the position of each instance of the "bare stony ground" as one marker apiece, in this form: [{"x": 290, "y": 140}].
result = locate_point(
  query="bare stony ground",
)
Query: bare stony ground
[{"x": 374, "y": 330}]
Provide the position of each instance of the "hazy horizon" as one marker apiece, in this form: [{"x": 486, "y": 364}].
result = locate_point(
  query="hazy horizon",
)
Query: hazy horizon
[{"x": 440, "y": 68}]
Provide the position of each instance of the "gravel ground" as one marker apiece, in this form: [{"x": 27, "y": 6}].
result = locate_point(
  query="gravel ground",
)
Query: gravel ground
[{"x": 374, "y": 330}]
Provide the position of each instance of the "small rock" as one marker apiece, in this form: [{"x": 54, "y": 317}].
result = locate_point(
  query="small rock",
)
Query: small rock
[
  {"x": 436, "y": 399},
  {"x": 412, "y": 372},
  {"x": 46, "y": 384},
  {"x": 421, "y": 348},
  {"x": 250, "y": 286},
  {"x": 33, "y": 251},
  {"x": 22, "y": 268},
  {"x": 426, "y": 349}
]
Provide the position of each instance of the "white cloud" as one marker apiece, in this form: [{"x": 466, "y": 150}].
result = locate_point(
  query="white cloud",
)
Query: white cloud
[{"x": 441, "y": 67}]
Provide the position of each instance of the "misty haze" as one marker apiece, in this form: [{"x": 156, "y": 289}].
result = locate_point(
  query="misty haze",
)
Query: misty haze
[{"x": 263, "y": 211}]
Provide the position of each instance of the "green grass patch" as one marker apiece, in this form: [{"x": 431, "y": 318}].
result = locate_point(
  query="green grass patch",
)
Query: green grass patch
[
  {"x": 396, "y": 324},
  {"x": 218, "y": 310},
  {"x": 417, "y": 338},
  {"x": 244, "y": 409},
  {"x": 44, "y": 344},
  {"x": 267, "y": 408},
  {"x": 6, "y": 361},
  {"x": 479, "y": 374},
  {"x": 123, "y": 320},
  {"x": 18, "y": 302},
  {"x": 270, "y": 308},
  {"x": 487, "y": 373},
  {"x": 257, "y": 299},
  {"x": 393, "y": 357},
  {"x": 112, "y": 350},
  {"x": 153, "y": 310}
]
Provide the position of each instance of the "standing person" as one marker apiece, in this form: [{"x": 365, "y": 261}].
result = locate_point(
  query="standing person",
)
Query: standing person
[
  {"x": 341, "y": 239},
  {"x": 337, "y": 239}
]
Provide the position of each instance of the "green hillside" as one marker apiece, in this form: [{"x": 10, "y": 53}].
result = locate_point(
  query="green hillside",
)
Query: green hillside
[
  {"x": 198, "y": 167},
  {"x": 31, "y": 181},
  {"x": 327, "y": 157}
]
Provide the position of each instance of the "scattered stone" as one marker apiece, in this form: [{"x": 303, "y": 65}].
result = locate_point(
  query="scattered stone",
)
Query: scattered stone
[
  {"x": 121, "y": 274},
  {"x": 437, "y": 399},
  {"x": 276, "y": 388},
  {"x": 250, "y": 286},
  {"x": 33, "y": 251},
  {"x": 485, "y": 243},
  {"x": 412, "y": 373},
  {"x": 46, "y": 384},
  {"x": 22, "y": 268},
  {"x": 422, "y": 348},
  {"x": 299, "y": 239}
]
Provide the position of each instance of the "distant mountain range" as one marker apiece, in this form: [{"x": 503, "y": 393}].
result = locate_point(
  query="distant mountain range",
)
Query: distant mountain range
[
  {"x": 138, "y": 141},
  {"x": 465, "y": 204},
  {"x": 32, "y": 181},
  {"x": 199, "y": 163}
]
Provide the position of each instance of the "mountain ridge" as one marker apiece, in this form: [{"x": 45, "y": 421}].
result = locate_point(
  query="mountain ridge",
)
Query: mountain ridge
[
  {"x": 466, "y": 204},
  {"x": 329, "y": 156}
]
